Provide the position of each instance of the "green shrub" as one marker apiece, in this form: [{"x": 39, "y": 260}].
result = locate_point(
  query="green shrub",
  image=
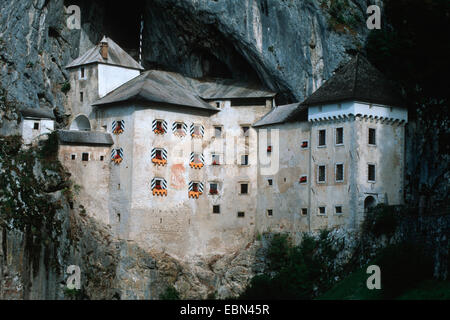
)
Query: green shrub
[
  {"x": 170, "y": 294},
  {"x": 381, "y": 220},
  {"x": 49, "y": 148},
  {"x": 65, "y": 87}
]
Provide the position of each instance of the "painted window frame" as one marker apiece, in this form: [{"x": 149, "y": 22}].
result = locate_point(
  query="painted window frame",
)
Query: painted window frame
[
  {"x": 318, "y": 138},
  {"x": 318, "y": 210},
  {"x": 336, "y": 172},
  {"x": 318, "y": 174},
  {"x": 304, "y": 214},
  {"x": 342, "y": 210},
  {"x": 80, "y": 73},
  {"x": 375, "y": 136},
  {"x": 336, "y": 136}
]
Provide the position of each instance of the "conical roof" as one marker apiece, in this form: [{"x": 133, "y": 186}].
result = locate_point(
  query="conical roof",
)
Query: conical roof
[{"x": 356, "y": 81}]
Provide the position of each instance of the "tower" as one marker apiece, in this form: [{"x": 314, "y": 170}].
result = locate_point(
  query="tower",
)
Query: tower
[{"x": 94, "y": 74}]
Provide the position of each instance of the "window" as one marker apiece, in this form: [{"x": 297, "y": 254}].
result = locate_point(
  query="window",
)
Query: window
[
  {"x": 338, "y": 209},
  {"x": 321, "y": 174},
  {"x": 197, "y": 130},
  {"x": 339, "y": 172},
  {"x": 322, "y": 138},
  {"x": 305, "y": 144},
  {"x": 213, "y": 188},
  {"x": 270, "y": 181},
  {"x": 85, "y": 157},
  {"x": 159, "y": 187},
  {"x": 244, "y": 160},
  {"x": 269, "y": 149},
  {"x": 82, "y": 73},
  {"x": 215, "y": 160},
  {"x": 339, "y": 136},
  {"x": 372, "y": 136},
  {"x": 371, "y": 173},
  {"x": 118, "y": 217},
  {"x": 304, "y": 211},
  {"x": 244, "y": 188},
  {"x": 217, "y": 131},
  {"x": 270, "y": 212},
  {"x": 322, "y": 211},
  {"x": 81, "y": 96},
  {"x": 241, "y": 214},
  {"x": 245, "y": 130},
  {"x": 303, "y": 179},
  {"x": 36, "y": 126},
  {"x": 217, "y": 104},
  {"x": 216, "y": 209},
  {"x": 73, "y": 156},
  {"x": 102, "y": 158}
]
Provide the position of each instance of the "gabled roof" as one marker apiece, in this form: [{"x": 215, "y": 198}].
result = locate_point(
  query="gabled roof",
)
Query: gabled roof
[
  {"x": 174, "y": 88},
  {"x": 84, "y": 137},
  {"x": 282, "y": 114},
  {"x": 36, "y": 113},
  {"x": 116, "y": 56},
  {"x": 358, "y": 80}
]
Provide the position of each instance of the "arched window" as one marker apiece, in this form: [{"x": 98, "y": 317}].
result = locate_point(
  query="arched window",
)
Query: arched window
[{"x": 81, "y": 123}]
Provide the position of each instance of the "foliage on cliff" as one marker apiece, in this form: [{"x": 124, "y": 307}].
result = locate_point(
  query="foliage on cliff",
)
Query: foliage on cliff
[
  {"x": 411, "y": 51},
  {"x": 296, "y": 272},
  {"x": 29, "y": 176}
]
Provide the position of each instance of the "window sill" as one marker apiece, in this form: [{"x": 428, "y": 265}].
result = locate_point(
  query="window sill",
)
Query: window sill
[
  {"x": 322, "y": 146},
  {"x": 339, "y": 145}
]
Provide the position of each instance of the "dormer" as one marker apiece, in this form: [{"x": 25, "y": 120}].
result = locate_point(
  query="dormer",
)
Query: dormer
[{"x": 97, "y": 72}]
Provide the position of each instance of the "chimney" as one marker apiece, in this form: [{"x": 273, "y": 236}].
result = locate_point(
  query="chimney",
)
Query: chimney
[{"x": 104, "y": 48}]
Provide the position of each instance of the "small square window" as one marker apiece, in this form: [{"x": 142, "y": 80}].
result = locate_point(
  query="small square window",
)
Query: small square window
[
  {"x": 213, "y": 188},
  {"x": 85, "y": 157},
  {"x": 270, "y": 181},
  {"x": 217, "y": 104},
  {"x": 216, "y": 209},
  {"x": 270, "y": 212},
  {"x": 102, "y": 158},
  {"x": 36, "y": 126},
  {"x": 322, "y": 138},
  {"x": 305, "y": 144},
  {"x": 371, "y": 173},
  {"x": 322, "y": 211},
  {"x": 73, "y": 156},
  {"x": 339, "y": 136},
  {"x": 321, "y": 174},
  {"x": 244, "y": 188},
  {"x": 241, "y": 214},
  {"x": 215, "y": 160},
  {"x": 372, "y": 136},
  {"x": 304, "y": 211},
  {"x": 244, "y": 160},
  {"x": 338, "y": 209}
]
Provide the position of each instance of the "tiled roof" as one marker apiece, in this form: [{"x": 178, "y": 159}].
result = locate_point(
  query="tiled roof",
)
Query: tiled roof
[
  {"x": 84, "y": 137},
  {"x": 282, "y": 114},
  {"x": 358, "y": 80},
  {"x": 116, "y": 56}
]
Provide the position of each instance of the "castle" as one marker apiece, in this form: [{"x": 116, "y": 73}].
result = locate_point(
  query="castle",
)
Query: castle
[{"x": 200, "y": 167}]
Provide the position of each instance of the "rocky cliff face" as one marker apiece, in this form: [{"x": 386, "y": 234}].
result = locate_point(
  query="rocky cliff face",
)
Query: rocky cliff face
[{"x": 291, "y": 46}]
